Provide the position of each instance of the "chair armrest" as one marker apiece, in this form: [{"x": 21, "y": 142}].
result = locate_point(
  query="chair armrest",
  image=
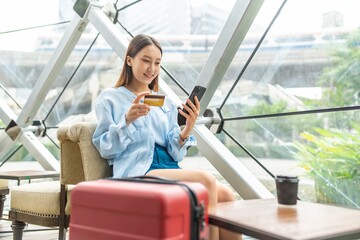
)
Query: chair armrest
[
  {"x": 76, "y": 132},
  {"x": 80, "y": 160}
]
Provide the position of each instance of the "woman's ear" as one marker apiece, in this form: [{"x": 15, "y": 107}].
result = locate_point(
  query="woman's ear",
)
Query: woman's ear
[{"x": 128, "y": 61}]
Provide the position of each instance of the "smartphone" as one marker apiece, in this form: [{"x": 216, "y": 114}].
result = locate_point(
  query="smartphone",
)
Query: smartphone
[{"x": 198, "y": 91}]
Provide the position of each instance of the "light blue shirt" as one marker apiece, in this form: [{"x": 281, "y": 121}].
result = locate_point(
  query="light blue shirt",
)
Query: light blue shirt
[{"x": 130, "y": 149}]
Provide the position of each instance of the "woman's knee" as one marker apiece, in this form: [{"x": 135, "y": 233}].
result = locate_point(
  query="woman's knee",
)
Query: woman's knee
[
  {"x": 208, "y": 180},
  {"x": 225, "y": 194}
]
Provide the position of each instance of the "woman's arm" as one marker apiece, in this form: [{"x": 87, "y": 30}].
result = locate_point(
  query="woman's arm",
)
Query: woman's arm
[
  {"x": 178, "y": 141},
  {"x": 116, "y": 127},
  {"x": 110, "y": 137}
]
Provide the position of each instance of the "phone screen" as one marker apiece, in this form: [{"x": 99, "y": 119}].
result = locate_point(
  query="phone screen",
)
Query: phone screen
[{"x": 197, "y": 91}]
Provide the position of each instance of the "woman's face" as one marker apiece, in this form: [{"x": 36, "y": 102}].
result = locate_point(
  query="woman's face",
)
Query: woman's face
[{"x": 145, "y": 65}]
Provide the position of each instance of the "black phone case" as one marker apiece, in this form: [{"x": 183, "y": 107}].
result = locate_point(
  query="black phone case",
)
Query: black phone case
[{"x": 197, "y": 91}]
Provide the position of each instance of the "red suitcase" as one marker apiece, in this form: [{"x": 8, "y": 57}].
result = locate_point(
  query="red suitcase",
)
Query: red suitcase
[{"x": 133, "y": 209}]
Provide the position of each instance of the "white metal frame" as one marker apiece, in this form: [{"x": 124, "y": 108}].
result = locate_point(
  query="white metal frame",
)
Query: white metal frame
[
  {"x": 235, "y": 29},
  {"x": 37, "y": 97},
  {"x": 228, "y": 43}
]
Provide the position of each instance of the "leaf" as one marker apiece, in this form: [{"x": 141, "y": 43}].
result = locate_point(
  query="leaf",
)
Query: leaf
[{"x": 308, "y": 136}]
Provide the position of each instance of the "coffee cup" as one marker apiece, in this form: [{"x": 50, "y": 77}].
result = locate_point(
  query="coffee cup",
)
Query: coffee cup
[{"x": 287, "y": 189}]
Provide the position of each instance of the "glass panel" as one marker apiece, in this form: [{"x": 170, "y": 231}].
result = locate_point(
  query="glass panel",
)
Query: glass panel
[
  {"x": 84, "y": 79},
  {"x": 23, "y": 56},
  {"x": 247, "y": 47},
  {"x": 18, "y": 153},
  {"x": 52, "y": 144},
  {"x": 10, "y": 97},
  {"x": 25, "y": 49},
  {"x": 301, "y": 65},
  {"x": 320, "y": 148},
  {"x": 186, "y": 42},
  {"x": 69, "y": 75},
  {"x": 27, "y": 45},
  {"x": 23, "y": 14}
]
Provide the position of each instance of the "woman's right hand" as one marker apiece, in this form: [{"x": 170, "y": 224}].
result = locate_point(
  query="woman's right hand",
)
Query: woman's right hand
[{"x": 137, "y": 109}]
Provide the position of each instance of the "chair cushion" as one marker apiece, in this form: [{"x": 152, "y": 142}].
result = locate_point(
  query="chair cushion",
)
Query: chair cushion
[
  {"x": 3, "y": 184},
  {"x": 41, "y": 198}
]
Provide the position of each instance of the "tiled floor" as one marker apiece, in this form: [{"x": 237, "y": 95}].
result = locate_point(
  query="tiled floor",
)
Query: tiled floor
[
  {"x": 38, "y": 233},
  {"x": 32, "y": 232}
]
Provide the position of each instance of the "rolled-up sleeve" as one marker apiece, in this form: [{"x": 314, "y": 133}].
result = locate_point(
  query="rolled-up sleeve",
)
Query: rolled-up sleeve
[
  {"x": 176, "y": 151},
  {"x": 111, "y": 138}
]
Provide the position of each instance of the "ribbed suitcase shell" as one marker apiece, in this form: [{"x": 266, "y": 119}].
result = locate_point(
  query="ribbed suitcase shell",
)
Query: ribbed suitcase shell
[{"x": 109, "y": 210}]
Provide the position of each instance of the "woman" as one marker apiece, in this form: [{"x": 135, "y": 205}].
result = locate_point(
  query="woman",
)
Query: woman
[{"x": 141, "y": 140}]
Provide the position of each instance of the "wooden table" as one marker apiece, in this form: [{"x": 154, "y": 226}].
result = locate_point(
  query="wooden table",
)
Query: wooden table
[
  {"x": 266, "y": 219},
  {"x": 28, "y": 175}
]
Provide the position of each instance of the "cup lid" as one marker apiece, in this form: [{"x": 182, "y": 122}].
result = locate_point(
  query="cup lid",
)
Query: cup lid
[{"x": 286, "y": 176}]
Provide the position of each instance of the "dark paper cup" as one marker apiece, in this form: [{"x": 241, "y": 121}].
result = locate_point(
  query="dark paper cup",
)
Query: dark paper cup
[{"x": 287, "y": 189}]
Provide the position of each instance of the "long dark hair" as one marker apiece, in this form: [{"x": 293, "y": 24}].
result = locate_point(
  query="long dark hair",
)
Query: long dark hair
[{"x": 136, "y": 44}]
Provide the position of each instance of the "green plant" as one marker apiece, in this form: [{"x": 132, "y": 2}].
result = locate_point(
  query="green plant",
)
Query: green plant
[
  {"x": 272, "y": 125},
  {"x": 332, "y": 159},
  {"x": 340, "y": 82}
]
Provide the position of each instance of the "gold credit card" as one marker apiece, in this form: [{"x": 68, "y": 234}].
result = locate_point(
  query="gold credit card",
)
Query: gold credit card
[{"x": 154, "y": 100}]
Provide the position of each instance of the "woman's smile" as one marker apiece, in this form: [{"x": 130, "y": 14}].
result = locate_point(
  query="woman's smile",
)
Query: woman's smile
[{"x": 149, "y": 75}]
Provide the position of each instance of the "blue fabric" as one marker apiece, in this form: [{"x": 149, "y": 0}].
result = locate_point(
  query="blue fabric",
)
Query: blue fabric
[
  {"x": 127, "y": 148},
  {"x": 162, "y": 159}
]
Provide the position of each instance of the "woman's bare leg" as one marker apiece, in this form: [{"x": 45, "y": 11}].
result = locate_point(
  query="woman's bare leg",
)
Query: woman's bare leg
[
  {"x": 207, "y": 179},
  {"x": 225, "y": 194}
]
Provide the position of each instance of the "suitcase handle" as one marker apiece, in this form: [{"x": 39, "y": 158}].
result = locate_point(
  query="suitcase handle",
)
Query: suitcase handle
[{"x": 148, "y": 178}]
